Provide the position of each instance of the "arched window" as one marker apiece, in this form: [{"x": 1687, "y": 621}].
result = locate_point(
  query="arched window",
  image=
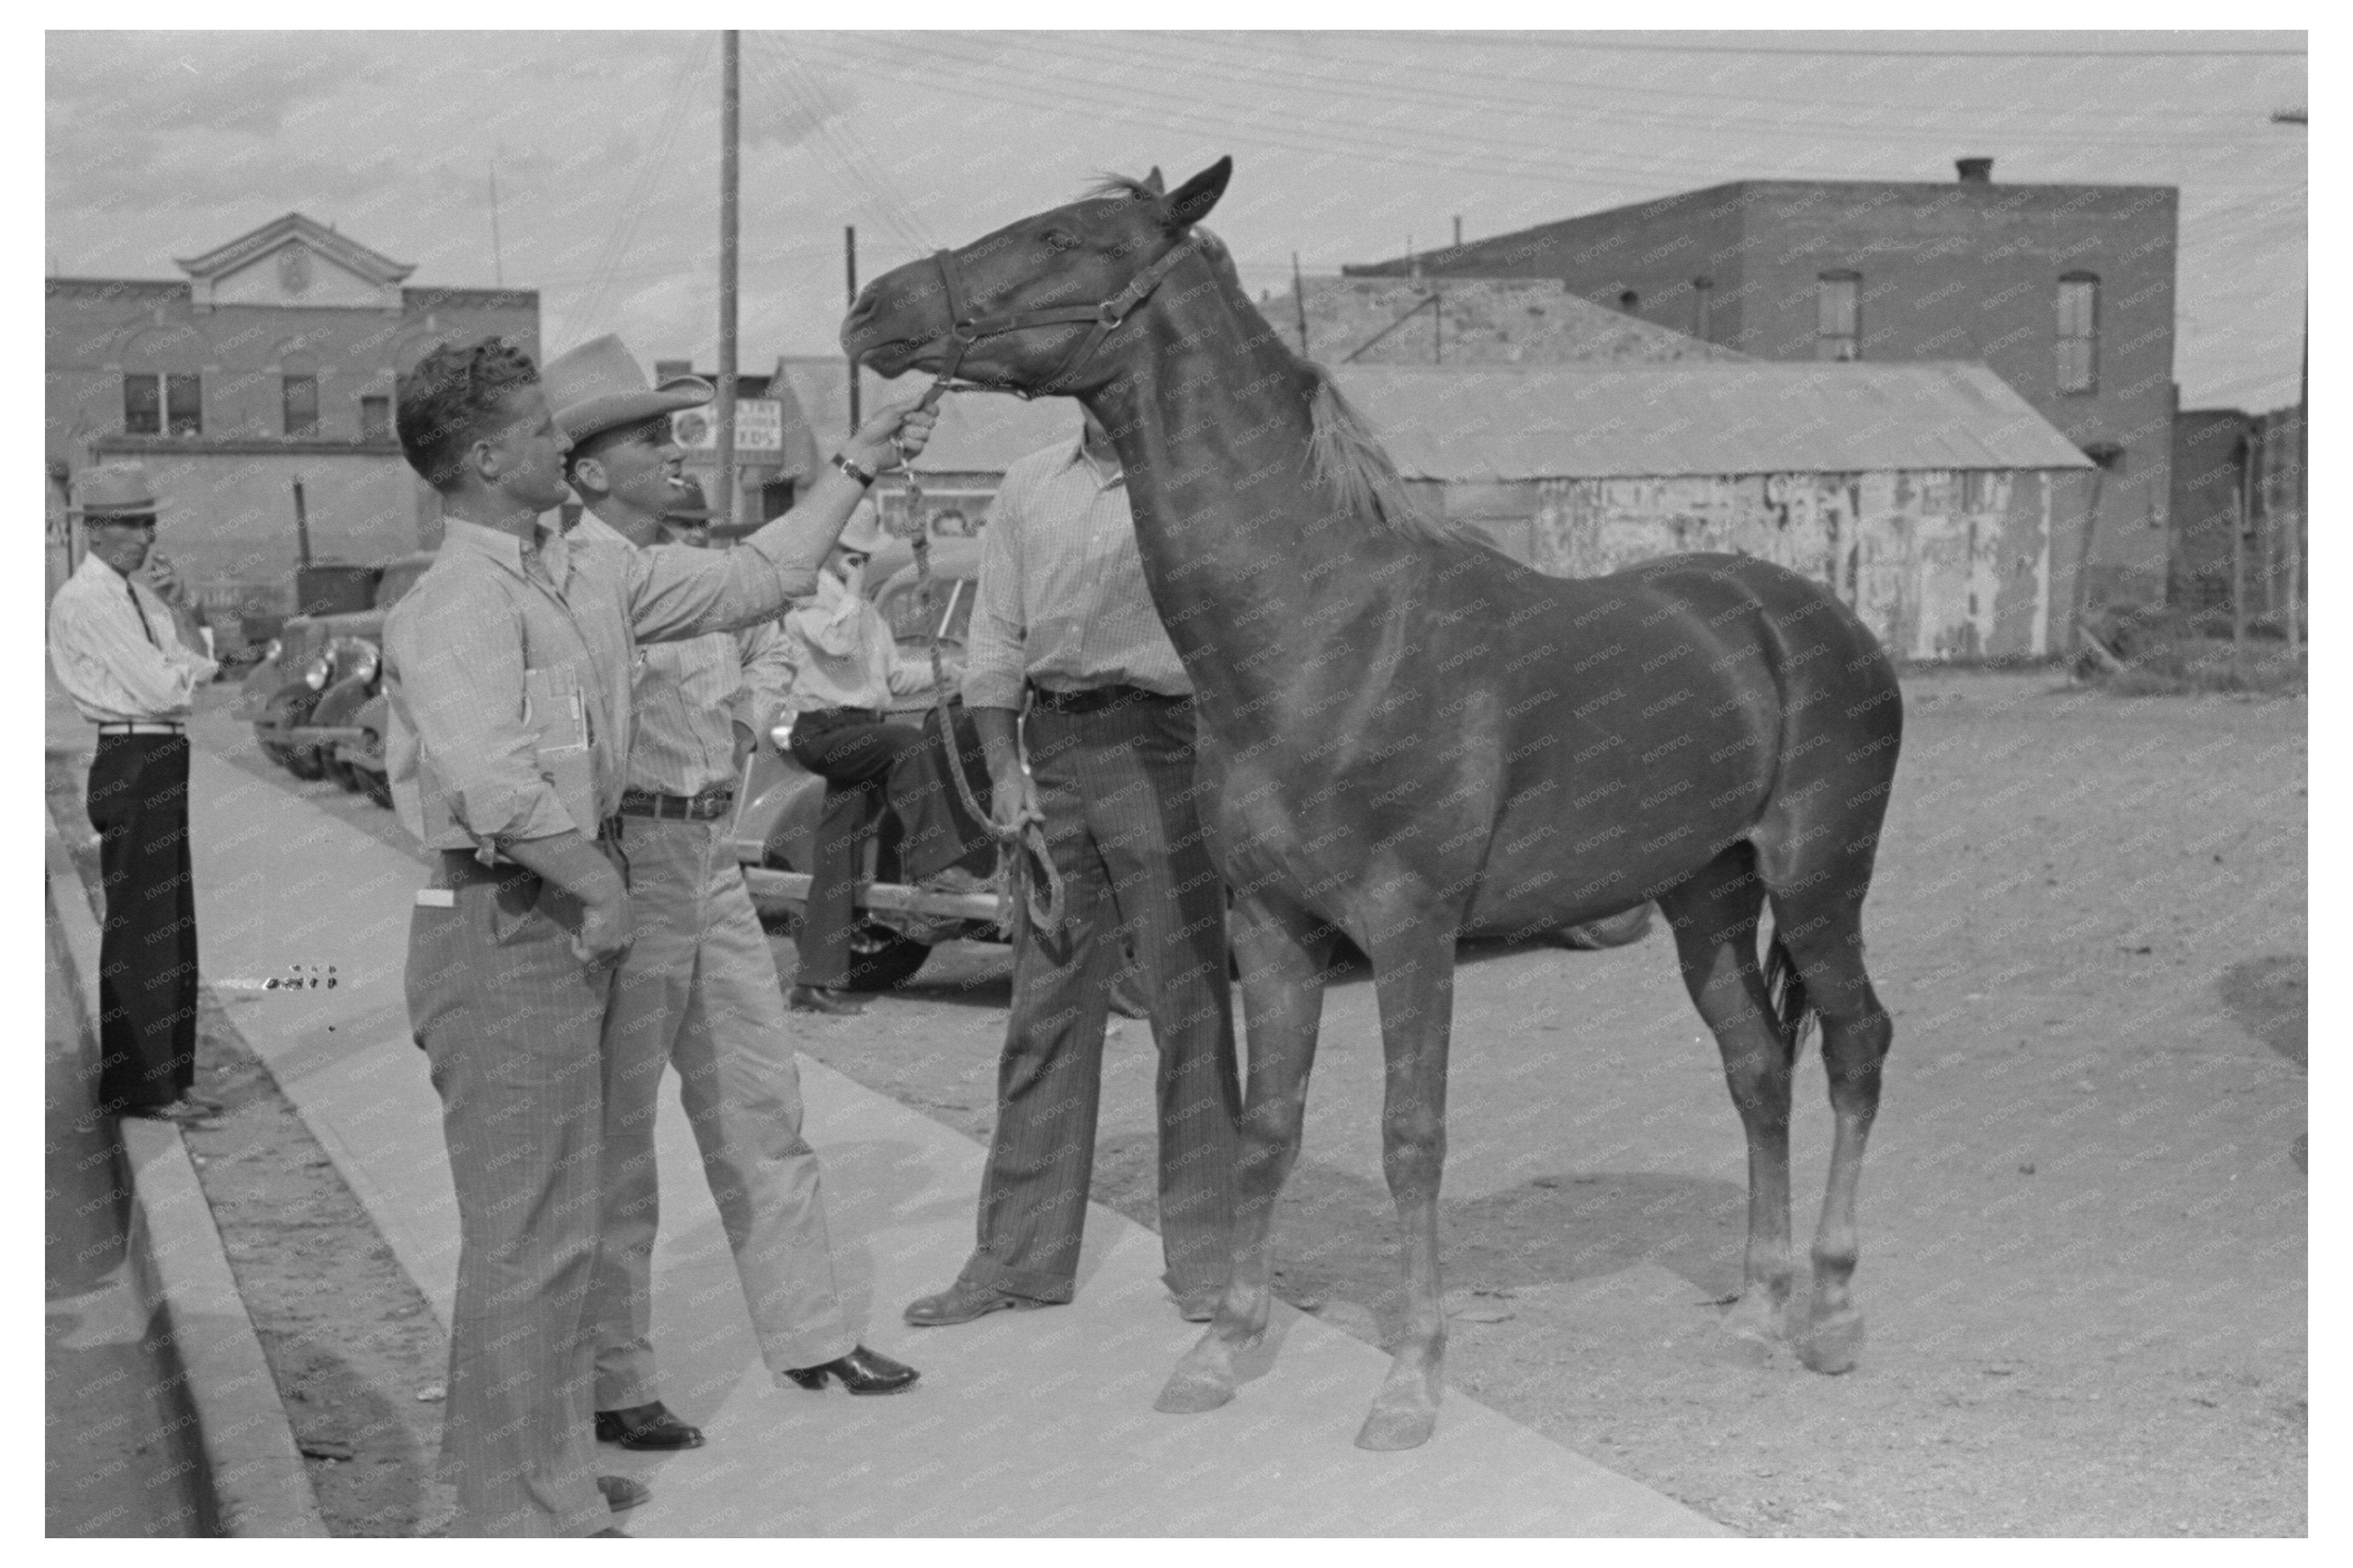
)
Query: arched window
[
  {"x": 2079, "y": 333},
  {"x": 1838, "y": 330}
]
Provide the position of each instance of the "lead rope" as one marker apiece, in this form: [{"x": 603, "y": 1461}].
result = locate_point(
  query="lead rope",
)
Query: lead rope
[{"x": 1024, "y": 861}]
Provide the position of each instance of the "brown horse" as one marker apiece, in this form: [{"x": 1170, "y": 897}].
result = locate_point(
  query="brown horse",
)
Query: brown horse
[{"x": 1408, "y": 738}]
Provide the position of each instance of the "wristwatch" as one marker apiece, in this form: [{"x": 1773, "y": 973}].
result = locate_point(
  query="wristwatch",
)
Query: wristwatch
[{"x": 852, "y": 470}]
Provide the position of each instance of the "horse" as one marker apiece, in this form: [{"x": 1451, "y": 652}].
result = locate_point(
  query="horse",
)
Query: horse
[{"x": 1408, "y": 737}]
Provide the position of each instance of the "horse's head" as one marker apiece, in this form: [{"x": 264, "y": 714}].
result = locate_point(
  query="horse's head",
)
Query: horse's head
[{"x": 1027, "y": 308}]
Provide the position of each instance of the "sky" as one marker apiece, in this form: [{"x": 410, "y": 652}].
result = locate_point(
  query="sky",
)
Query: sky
[{"x": 603, "y": 148}]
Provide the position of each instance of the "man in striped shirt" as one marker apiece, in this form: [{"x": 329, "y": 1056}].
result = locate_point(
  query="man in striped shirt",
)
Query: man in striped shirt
[
  {"x": 698, "y": 990},
  {"x": 1063, "y": 612}
]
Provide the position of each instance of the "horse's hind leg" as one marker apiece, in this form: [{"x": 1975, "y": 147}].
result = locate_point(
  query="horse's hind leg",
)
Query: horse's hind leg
[
  {"x": 1283, "y": 956},
  {"x": 1821, "y": 928},
  {"x": 1714, "y": 916}
]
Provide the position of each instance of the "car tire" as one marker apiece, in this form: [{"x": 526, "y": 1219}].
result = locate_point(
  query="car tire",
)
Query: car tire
[
  {"x": 881, "y": 958},
  {"x": 284, "y": 709}
]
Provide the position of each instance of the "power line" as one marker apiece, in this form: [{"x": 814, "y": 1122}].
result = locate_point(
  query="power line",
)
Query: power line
[
  {"x": 1257, "y": 60},
  {"x": 1429, "y": 148},
  {"x": 1581, "y": 43}
]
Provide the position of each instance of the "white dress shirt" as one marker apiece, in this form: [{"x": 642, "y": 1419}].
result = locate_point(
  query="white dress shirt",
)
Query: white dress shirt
[{"x": 117, "y": 670}]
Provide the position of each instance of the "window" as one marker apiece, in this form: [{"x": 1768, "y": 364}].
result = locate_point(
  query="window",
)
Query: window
[
  {"x": 183, "y": 404},
  {"x": 1838, "y": 331},
  {"x": 2079, "y": 333},
  {"x": 375, "y": 418},
  {"x": 142, "y": 404},
  {"x": 1702, "y": 297},
  {"x": 301, "y": 405}
]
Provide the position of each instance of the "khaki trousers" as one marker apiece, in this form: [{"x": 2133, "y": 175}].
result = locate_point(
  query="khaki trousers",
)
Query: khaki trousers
[
  {"x": 510, "y": 1020},
  {"x": 698, "y": 992}
]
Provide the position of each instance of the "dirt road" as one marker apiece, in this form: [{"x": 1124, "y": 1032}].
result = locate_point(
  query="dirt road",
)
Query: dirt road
[{"x": 2084, "y": 1211}]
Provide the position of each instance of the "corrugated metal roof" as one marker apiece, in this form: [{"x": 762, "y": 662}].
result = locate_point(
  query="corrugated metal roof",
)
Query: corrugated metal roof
[{"x": 1614, "y": 421}]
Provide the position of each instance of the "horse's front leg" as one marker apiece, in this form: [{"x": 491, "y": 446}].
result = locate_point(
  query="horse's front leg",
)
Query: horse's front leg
[
  {"x": 1413, "y": 976},
  {"x": 1283, "y": 953}
]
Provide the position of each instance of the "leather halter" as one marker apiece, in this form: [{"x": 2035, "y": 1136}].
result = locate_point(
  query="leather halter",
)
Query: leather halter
[{"x": 964, "y": 331}]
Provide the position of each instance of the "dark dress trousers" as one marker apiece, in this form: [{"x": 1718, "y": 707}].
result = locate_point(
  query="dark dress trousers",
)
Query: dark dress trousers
[{"x": 147, "y": 949}]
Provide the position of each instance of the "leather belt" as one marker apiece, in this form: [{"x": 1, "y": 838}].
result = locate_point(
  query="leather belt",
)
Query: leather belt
[
  {"x": 829, "y": 715},
  {"x": 708, "y": 807},
  {"x": 144, "y": 727},
  {"x": 1095, "y": 698}
]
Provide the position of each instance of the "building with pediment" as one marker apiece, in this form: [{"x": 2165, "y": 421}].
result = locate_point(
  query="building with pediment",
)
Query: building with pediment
[{"x": 271, "y": 361}]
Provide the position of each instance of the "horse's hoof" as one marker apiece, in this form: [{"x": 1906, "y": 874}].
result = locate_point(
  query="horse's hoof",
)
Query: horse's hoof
[
  {"x": 1833, "y": 1342},
  {"x": 1758, "y": 1320},
  {"x": 1386, "y": 1430},
  {"x": 1190, "y": 1394}
]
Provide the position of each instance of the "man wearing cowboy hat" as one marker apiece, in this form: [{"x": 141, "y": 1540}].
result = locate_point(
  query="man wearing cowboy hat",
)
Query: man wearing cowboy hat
[
  {"x": 132, "y": 660},
  {"x": 847, "y": 668},
  {"x": 698, "y": 989},
  {"x": 508, "y": 670}
]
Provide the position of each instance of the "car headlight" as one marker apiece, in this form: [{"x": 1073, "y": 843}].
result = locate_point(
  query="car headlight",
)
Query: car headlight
[
  {"x": 365, "y": 665},
  {"x": 780, "y": 735},
  {"x": 315, "y": 678},
  {"x": 269, "y": 655}
]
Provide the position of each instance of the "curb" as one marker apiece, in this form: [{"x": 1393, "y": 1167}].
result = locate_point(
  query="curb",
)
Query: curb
[{"x": 256, "y": 1477}]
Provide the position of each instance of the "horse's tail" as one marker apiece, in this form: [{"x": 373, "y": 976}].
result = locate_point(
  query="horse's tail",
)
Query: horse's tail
[{"x": 1785, "y": 987}]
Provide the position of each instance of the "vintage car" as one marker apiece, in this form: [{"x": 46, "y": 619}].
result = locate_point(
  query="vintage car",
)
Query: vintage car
[
  {"x": 307, "y": 697},
  {"x": 778, "y": 801}
]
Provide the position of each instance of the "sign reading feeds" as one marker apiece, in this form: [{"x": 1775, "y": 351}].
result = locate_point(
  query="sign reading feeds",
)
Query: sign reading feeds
[{"x": 759, "y": 428}]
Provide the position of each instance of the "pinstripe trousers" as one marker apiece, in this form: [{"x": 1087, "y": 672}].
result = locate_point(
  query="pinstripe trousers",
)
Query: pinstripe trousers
[
  {"x": 509, "y": 1018},
  {"x": 699, "y": 991},
  {"x": 1117, "y": 790}
]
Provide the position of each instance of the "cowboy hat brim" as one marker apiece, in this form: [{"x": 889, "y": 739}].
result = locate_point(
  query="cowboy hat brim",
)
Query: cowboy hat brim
[{"x": 594, "y": 415}]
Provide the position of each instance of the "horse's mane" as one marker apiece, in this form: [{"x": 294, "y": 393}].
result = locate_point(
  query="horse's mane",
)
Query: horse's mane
[{"x": 1349, "y": 459}]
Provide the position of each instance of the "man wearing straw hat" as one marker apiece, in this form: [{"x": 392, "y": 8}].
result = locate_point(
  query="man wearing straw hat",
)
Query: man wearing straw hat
[
  {"x": 509, "y": 671},
  {"x": 132, "y": 660},
  {"x": 698, "y": 989}
]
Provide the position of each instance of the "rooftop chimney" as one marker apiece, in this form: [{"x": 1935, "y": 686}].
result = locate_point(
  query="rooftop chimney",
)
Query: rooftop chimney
[{"x": 1975, "y": 170}]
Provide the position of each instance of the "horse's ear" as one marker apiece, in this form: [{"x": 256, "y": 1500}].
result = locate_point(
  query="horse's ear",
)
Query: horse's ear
[
  {"x": 1189, "y": 202},
  {"x": 1151, "y": 182}
]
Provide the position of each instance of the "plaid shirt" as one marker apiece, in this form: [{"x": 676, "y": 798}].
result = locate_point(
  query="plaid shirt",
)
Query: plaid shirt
[
  {"x": 1063, "y": 600},
  {"x": 457, "y": 647}
]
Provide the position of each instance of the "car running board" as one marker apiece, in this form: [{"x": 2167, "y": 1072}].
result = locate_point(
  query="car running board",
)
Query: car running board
[{"x": 770, "y": 887}]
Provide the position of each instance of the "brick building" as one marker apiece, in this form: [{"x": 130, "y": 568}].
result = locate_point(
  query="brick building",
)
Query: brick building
[
  {"x": 271, "y": 360},
  {"x": 2235, "y": 473},
  {"x": 2065, "y": 291}
]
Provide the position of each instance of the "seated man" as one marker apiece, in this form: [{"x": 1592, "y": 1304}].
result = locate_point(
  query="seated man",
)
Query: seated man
[{"x": 847, "y": 668}]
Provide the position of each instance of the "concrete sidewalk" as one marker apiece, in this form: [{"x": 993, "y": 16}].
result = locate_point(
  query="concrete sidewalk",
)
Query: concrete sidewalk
[{"x": 1025, "y": 1423}]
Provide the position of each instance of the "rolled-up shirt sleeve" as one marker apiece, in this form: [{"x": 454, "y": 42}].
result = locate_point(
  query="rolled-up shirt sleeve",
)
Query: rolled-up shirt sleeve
[
  {"x": 766, "y": 656},
  {"x": 996, "y": 643},
  {"x": 455, "y": 668},
  {"x": 678, "y": 594}
]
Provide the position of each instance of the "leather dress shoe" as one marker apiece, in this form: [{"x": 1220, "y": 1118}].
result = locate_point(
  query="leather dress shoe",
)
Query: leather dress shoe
[
  {"x": 621, "y": 1494},
  {"x": 861, "y": 1371},
  {"x": 962, "y": 1301},
  {"x": 645, "y": 1426},
  {"x": 608, "y": 1530},
  {"x": 824, "y": 999}
]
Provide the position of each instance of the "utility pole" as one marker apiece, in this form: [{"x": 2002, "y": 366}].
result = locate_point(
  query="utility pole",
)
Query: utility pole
[
  {"x": 730, "y": 106},
  {"x": 2298, "y": 116},
  {"x": 1458, "y": 231},
  {"x": 850, "y": 257},
  {"x": 1299, "y": 293},
  {"x": 498, "y": 261}
]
